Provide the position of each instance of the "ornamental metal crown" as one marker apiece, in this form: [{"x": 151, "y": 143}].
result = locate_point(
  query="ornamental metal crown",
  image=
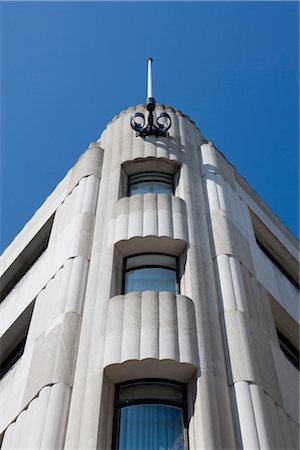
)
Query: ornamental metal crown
[{"x": 138, "y": 121}]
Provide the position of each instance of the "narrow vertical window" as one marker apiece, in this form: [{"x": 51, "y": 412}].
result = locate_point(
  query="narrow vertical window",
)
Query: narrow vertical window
[
  {"x": 26, "y": 259},
  {"x": 289, "y": 350},
  {"x": 12, "y": 343},
  {"x": 150, "y": 415}
]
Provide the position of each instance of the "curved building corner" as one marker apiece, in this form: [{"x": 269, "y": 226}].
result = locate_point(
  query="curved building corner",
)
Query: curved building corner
[{"x": 151, "y": 303}]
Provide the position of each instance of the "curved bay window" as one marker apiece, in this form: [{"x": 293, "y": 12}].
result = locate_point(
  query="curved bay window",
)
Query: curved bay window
[
  {"x": 155, "y": 182},
  {"x": 150, "y": 272},
  {"x": 150, "y": 415}
]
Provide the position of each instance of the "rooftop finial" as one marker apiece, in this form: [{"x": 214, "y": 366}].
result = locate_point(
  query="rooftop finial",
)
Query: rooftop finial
[
  {"x": 150, "y": 99},
  {"x": 138, "y": 122},
  {"x": 149, "y": 86}
]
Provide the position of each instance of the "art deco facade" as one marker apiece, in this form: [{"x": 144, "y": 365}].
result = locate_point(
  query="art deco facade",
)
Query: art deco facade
[{"x": 153, "y": 280}]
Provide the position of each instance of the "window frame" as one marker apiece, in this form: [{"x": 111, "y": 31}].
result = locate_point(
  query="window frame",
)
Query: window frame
[
  {"x": 277, "y": 263},
  {"x": 278, "y": 254},
  {"x": 152, "y": 266},
  {"x": 26, "y": 259},
  {"x": 118, "y": 405},
  {"x": 13, "y": 341},
  {"x": 13, "y": 357},
  {"x": 158, "y": 173},
  {"x": 290, "y": 352}
]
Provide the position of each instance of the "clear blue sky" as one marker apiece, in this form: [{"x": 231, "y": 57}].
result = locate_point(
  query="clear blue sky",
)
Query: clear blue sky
[{"x": 68, "y": 68}]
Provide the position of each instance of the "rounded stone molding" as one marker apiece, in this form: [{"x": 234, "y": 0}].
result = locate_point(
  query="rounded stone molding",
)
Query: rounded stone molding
[
  {"x": 151, "y": 325},
  {"x": 180, "y": 138},
  {"x": 150, "y": 368},
  {"x": 151, "y": 164},
  {"x": 161, "y": 218}
]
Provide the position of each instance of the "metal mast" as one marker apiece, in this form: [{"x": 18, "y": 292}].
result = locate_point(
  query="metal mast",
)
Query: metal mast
[{"x": 138, "y": 121}]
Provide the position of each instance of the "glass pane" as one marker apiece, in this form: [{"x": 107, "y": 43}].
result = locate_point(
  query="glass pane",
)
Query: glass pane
[
  {"x": 151, "y": 176},
  {"x": 151, "y": 391},
  {"x": 150, "y": 279},
  {"x": 154, "y": 187},
  {"x": 151, "y": 427},
  {"x": 152, "y": 259}
]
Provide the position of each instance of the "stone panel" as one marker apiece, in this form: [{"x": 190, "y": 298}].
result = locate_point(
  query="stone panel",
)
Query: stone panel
[
  {"x": 151, "y": 325},
  {"x": 231, "y": 284},
  {"x": 250, "y": 353},
  {"x": 259, "y": 303},
  {"x": 89, "y": 164},
  {"x": 246, "y": 415},
  {"x": 60, "y": 346},
  {"x": 229, "y": 240},
  {"x": 158, "y": 215},
  {"x": 288, "y": 378},
  {"x": 214, "y": 162},
  {"x": 121, "y": 135},
  {"x": 14, "y": 382},
  {"x": 42, "y": 424},
  {"x": 63, "y": 294},
  {"x": 70, "y": 237},
  {"x": 210, "y": 420},
  {"x": 48, "y": 360},
  {"x": 221, "y": 196}
]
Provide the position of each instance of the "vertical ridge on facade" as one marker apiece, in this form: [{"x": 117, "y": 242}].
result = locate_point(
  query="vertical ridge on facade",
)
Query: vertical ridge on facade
[{"x": 156, "y": 281}]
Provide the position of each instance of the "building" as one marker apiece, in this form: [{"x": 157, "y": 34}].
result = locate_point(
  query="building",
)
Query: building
[{"x": 151, "y": 303}]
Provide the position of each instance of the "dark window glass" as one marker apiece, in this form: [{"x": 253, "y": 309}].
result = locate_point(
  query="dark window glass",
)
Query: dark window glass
[
  {"x": 26, "y": 259},
  {"x": 150, "y": 415},
  {"x": 290, "y": 351},
  {"x": 277, "y": 263},
  {"x": 150, "y": 272},
  {"x": 155, "y": 182},
  {"x": 12, "y": 343},
  {"x": 12, "y": 358}
]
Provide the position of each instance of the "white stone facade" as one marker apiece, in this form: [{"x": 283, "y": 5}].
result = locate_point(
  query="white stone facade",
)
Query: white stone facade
[{"x": 218, "y": 336}]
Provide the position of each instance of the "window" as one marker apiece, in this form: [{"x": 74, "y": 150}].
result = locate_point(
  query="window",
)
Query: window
[
  {"x": 12, "y": 343},
  {"x": 150, "y": 415},
  {"x": 150, "y": 272},
  {"x": 26, "y": 259},
  {"x": 289, "y": 350},
  {"x": 277, "y": 253},
  {"x": 277, "y": 263},
  {"x": 155, "y": 182}
]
